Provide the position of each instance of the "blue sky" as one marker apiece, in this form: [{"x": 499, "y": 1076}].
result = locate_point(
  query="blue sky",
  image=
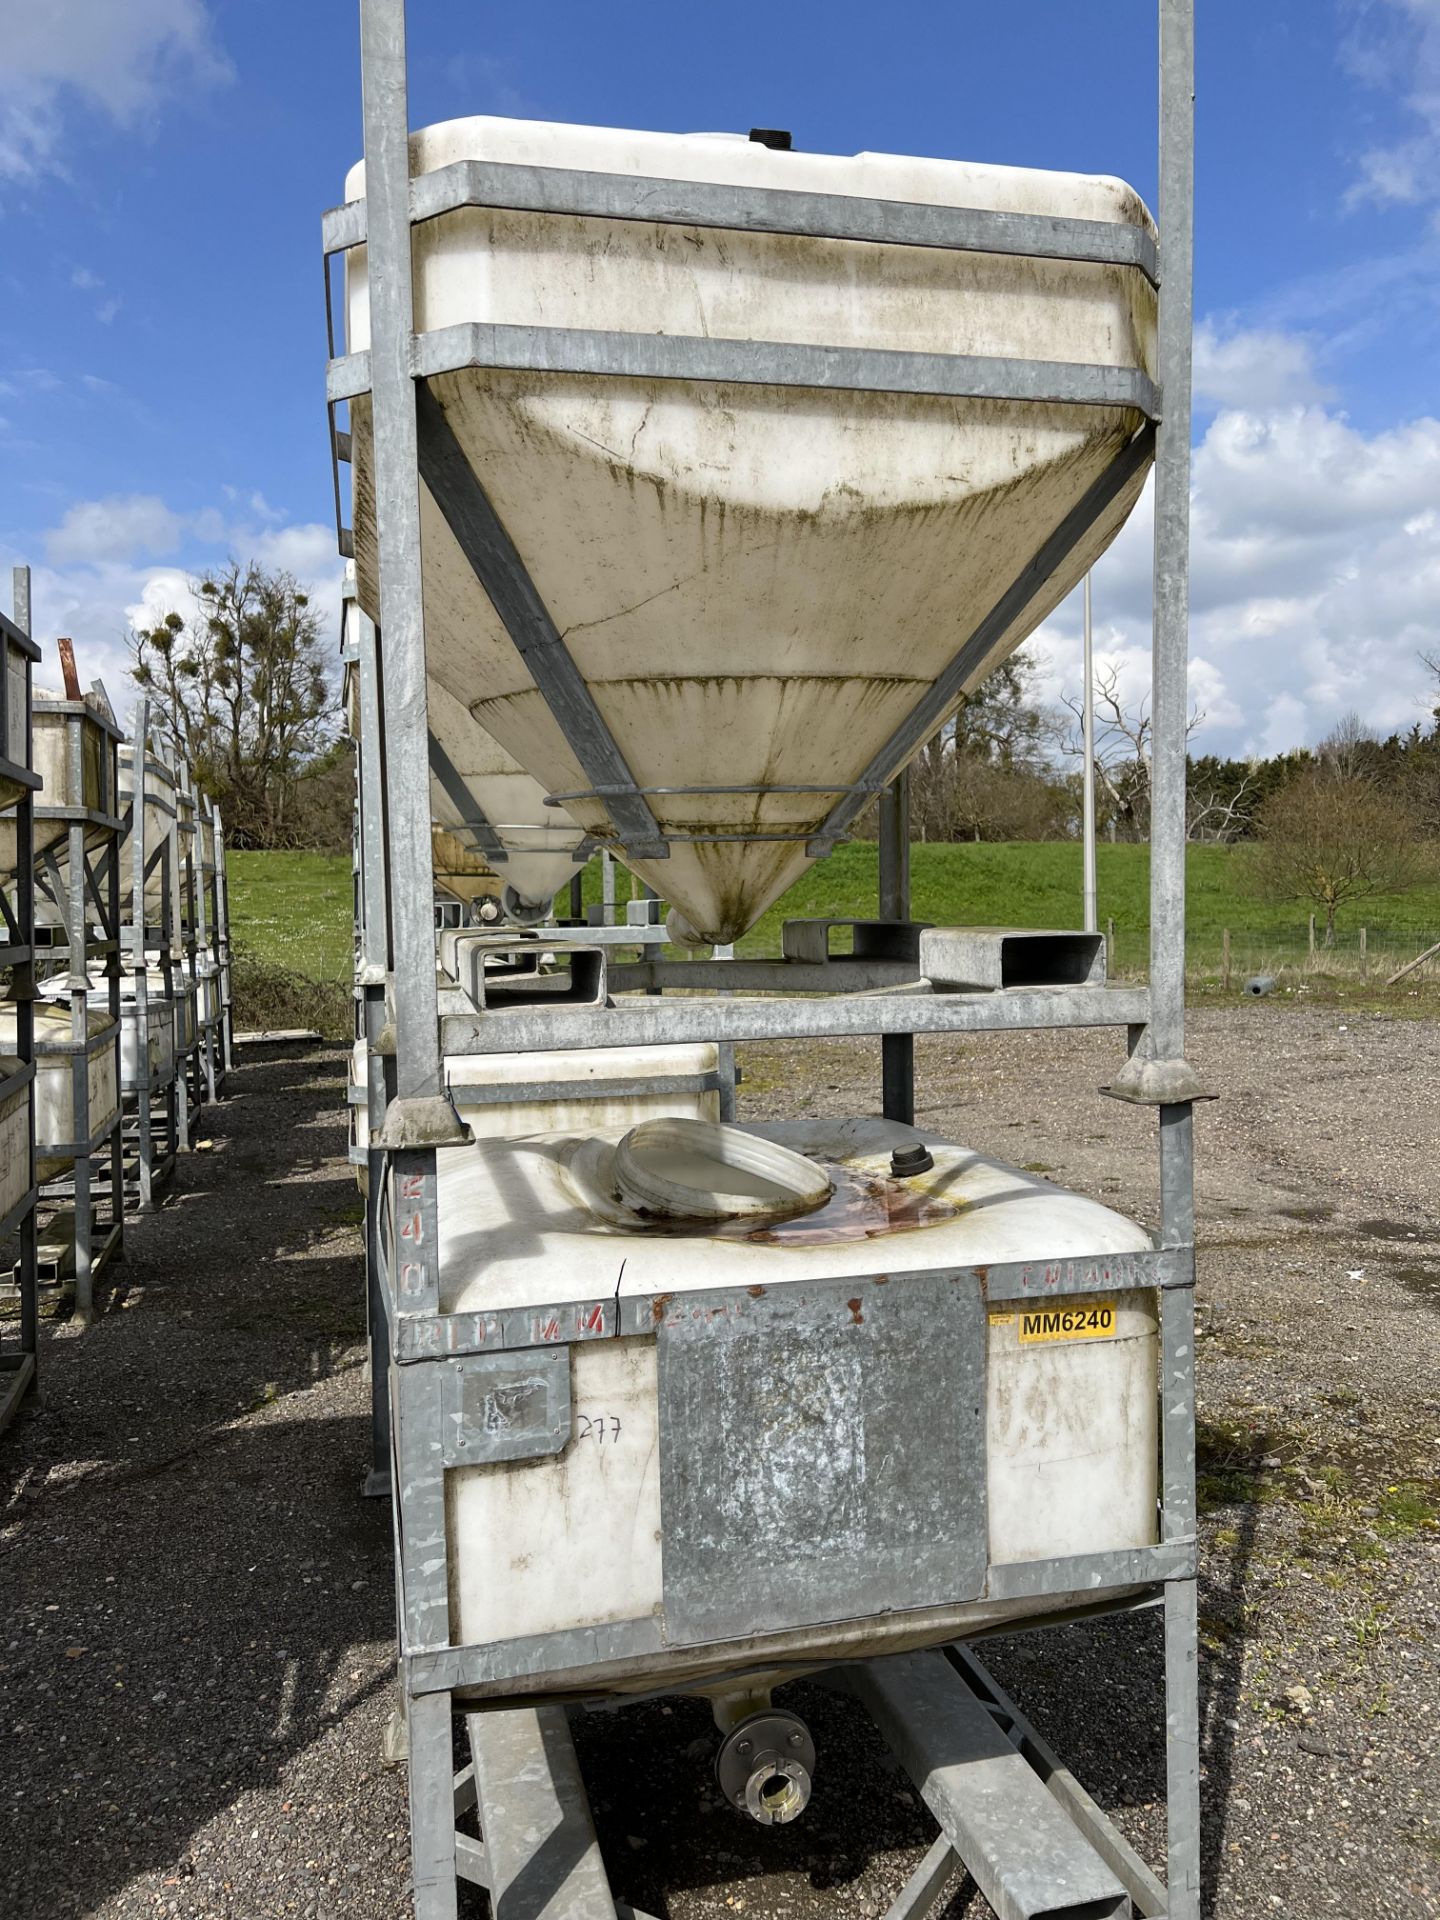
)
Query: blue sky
[{"x": 163, "y": 166}]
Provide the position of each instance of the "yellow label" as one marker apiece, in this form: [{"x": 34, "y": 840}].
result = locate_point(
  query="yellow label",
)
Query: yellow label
[
  {"x": 1000, "y": 1319},
  {"x": 1081, "y": 1320}
]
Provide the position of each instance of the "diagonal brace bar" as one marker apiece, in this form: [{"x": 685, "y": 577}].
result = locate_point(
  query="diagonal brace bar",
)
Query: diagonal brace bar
[
  {"x": 931, "y": 711},
  {"x": 452, "y": 784},
  {"x": 502, "y": 573}
]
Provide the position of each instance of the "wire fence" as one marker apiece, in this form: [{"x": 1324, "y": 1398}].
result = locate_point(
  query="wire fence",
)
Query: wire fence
[{"x": 1233, "y": 956}]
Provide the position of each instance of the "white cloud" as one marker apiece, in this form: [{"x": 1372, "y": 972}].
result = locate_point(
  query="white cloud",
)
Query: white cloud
[
  {"x": 114, "y": 529},
  {"x": 1254, "y": 367},
  {"x": 1315, "y": 581},
  {"x": 1394, "y": 47},
  {"x": 123, "y": 57},
  {"x": 126, "y": 561}
]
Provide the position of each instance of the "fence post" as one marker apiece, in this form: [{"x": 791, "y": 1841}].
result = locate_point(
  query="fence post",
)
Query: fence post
[
  {"x": 1364, "y": 952},
  {"x": 1110, "y": 949},
  {"x": 1312, "y": 936},
  {"x": 1225, "y": 955}
]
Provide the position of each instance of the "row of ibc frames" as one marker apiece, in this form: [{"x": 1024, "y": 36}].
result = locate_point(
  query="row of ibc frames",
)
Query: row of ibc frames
[{"x": 115, "y": 1016}]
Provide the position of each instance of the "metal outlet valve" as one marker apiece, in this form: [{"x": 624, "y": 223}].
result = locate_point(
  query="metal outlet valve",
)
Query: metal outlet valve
[{"x": 765, "y": 1765}]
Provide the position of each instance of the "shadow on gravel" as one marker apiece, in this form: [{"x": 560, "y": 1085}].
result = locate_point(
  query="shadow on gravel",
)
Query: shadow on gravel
[
  {"x": 186, "y": 1562},
  {"x": 1094, "y": 1690}
]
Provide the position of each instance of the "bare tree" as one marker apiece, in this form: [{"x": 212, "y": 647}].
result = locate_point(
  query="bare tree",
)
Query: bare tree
[
  {"x": 987, "y": 774},
  {"x": 1219, "y": 818},
  {"x": 1122, "y": 752},
  {"x": 1331, "y": 838},
  {"x": 1349, "y": 749},
  {"x": 243, "y": 684}
]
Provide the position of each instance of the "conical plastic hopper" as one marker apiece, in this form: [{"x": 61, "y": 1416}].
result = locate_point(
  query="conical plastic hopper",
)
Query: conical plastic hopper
[
  {"x": 461, "y": 872},
  {"x": 703, "y": 612},
  {"x": 487, "y": 801}
]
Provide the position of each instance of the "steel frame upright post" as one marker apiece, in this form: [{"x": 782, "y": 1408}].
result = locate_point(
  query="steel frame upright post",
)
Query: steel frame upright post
[
  {"x": 1169, "y": 699},
  {"x": 139, "y": 769},
  {"x": 419, "y": 1118},
  {"x": 897, "y": 1050},
  {"x": 19, "y": 1371},
  {"x": 222, "y": 946},
  {"x": 186, "y": 836},
  {"x": 373, "y": 919}
]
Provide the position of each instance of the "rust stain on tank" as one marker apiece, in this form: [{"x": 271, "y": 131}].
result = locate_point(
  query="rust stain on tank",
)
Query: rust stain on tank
[
  {"x": 856, "y": 1316},
  {"x": 755, "y": 1292},
  {"x": 660, "y": 1306}
]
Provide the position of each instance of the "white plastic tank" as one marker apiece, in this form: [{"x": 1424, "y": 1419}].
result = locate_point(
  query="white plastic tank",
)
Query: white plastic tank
[
  {"x": 159, "y": 1020},
  {"x": 54, "y": 1085},
  {"x": 758, "y": 584},
  {"x": 159, "y": 824},
  {"x": 576, "y": 1541},
  {"x": 66, "y": 780}
]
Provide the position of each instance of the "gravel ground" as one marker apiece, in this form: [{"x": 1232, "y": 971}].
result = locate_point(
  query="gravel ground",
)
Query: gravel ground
[{"x": 197, "y": 1606}]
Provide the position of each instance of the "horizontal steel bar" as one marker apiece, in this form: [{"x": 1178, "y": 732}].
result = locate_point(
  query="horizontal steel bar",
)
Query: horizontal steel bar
[
  {"x": 95, "y": 715},
  {"x": 770, "y": 363},
  {"x": 83, "y": 816},
  {"x": 580, "y": 1651},
  {"x": 703, "y": 1018},
  {"x": 96, "y": 1043},
  {"x": 476, "y": 1094},
  {"x": 416, "y": 1337},
  {"x": 12, "y": 774},
  {"x": 1031, "y": 1280},
  {"x": 18, "y": 637},
  {"x": 1092, "y": 1572},
  {"x": 737, "y": 209},
  {"x": 343, "y": 226},
  {"x": 76, "y": 1149},
  {"x": 841, "y": 975},
  {"x": 17, "y": 1081},
  {"x": 23, "y": 1206},
  {"x": 447, "y": 1336},
  {"x": 602, "y": 793}
]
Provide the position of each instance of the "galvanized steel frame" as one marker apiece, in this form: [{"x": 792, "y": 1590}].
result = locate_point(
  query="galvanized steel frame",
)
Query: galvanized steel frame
[
  {"x": 87, "y": 885},
  {"x": 19, "y": 1359},
  {"x": 427, "y": 1342},
  {"x": 149, "y": 748}
]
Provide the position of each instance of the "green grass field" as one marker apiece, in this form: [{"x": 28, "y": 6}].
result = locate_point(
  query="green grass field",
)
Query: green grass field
[{"x": 291, "y": 912}]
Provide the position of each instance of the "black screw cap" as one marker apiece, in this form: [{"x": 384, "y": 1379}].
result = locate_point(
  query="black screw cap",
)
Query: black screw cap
[
  {"x": 776, "y": 138},
  {"x": 905, "y": 1161}
]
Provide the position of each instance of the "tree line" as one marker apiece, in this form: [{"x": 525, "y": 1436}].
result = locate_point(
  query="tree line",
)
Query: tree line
[{"x": 246, "y": 681}]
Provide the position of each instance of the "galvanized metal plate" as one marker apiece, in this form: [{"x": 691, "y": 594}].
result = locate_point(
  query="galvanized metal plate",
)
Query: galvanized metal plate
[
  {"x": 506, "y": 1406},
  {"x": 822, "y": 1452}
]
